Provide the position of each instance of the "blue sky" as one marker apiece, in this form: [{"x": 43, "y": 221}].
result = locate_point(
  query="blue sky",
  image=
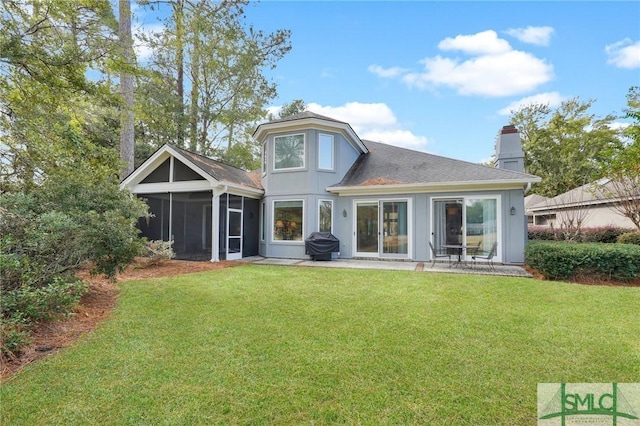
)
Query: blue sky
[{"x": 441, "y": 77}]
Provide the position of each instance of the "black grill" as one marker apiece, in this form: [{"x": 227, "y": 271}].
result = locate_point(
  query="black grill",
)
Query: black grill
[{"x": 320, "y": 245}]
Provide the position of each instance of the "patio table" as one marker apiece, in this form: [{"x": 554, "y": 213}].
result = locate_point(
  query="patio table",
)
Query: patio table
[{"x": 459, "y": 248}]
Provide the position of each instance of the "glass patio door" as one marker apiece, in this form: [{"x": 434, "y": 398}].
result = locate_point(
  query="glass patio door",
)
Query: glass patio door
[
  {"x": 367, "y": 232},
  {"x": 471, "y": 222},
  {"x": 382, "y": 229},
  {"x": 234, "y": 234},
  {"x": 395, "y": 238}
]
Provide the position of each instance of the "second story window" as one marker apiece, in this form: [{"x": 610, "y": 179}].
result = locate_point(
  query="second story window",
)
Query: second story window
[
  {"x": 289, "y": 152},
  {"x": 325, "y": 152}
]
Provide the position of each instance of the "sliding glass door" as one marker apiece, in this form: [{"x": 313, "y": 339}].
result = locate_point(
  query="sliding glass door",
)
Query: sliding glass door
[
  {"x": 367, "y": 228},
  {"x": 467, "y": 221},
  {"x": 382, "y": 228}
]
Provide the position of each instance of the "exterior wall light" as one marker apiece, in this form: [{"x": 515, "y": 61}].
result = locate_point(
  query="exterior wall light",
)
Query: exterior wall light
[
  {"x": 513, "y": 211},
  {"x": 344, "y": 213}
]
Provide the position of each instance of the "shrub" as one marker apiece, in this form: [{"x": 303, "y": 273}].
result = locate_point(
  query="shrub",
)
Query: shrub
[
  {"x": 541, "y": 233},
  {"x": 49, "y": 230},
  {"x": 157, "y": 251},
  {"x": 604, "y": 234},
  {"x": 630, "y": 238},
  {"x": 559, "y": 260},
  {"x": 25, "y": 306}
]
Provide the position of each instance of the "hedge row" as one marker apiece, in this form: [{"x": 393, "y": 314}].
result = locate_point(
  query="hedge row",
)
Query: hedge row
[
  {"x": 604, "y": 234},
  {"x": 560, "y": 260},
  {"x": 630, "y": 238}
]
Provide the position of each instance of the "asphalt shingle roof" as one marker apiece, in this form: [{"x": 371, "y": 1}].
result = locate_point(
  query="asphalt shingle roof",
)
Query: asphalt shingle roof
[
  {"x": 221, "y": 171},
  {"x": 387, "y": 165},
  {"x": 303, "y": 115}
]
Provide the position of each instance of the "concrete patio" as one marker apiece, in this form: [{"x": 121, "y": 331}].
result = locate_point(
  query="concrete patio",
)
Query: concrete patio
[{"x": 390, "y": 265}]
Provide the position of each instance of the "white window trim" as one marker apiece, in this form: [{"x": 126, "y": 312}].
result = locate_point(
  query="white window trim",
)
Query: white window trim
[
  {"x": 464, "y": 198},
  {"x": 332, "y": 215},
  {"x": 333, "y": 152},
  {"x": 304, "y": 153},
  {"x": 273, "y": 228},
  {"x": 264, "y": 159}
]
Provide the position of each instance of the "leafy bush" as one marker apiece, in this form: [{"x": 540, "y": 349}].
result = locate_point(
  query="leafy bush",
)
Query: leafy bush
[
  {"x": 559, "y": 260},
  {"x": 630, "y": 238},
  {"x": 157, "y": 251},
  {"x": 25, "y": 306},
  {"x": 541, "y": 233},
  {"x": 604, "y": 234},
  {"x": 49, "y": 230}
]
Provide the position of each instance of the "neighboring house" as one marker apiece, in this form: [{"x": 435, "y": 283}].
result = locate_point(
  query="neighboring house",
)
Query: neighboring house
[
  {"x": 589, "y": 204},
  {"x": 381, "y": 201}
]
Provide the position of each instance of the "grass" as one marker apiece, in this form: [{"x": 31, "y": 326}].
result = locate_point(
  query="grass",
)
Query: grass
[{"x": 276, "y": 345}]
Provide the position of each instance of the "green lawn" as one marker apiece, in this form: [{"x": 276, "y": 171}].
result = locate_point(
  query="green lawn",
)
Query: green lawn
[{"x": 278, "y": 345}]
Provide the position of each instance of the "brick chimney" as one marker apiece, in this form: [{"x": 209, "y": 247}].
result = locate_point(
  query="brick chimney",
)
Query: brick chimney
[{"x": 509, "y": 154}]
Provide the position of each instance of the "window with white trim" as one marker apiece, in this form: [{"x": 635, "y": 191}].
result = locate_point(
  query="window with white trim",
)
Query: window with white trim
[
  {"x": 325, "y": 216},
  {"x": 289, "y": 152},
  {"x": 287, "y": 220},
  {"x": 325, "y": 152}
]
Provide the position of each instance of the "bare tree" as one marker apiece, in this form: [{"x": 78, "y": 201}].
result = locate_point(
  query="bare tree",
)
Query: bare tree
[
  {"x": 571, "y": 213},
  {"x": 625, "y": 194}
]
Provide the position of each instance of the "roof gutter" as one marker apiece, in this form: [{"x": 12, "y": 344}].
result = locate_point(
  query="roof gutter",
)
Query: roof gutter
[{"x": 431, "y": 187}]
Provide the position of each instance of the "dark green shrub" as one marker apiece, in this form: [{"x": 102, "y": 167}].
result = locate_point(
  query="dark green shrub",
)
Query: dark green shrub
[
  {"x": 630, "y": 238},
  {"x": 559, "y": 260},
  {"x": 541, "y": 233},
  {"x": 47, "y": 232},
  {"x": 605, "y": 234},
  {"x": 13, "y": 336}
]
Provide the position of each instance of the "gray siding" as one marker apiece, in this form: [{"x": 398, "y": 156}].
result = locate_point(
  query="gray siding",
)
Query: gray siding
[{"x": 307, "y": 184}]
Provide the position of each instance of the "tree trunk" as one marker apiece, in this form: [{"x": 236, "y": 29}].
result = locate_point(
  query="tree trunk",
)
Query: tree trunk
[
  {"x": 126, "y": 90},
  {"x": 178, "y": 9},
  {"x": 195, "y": 91}
]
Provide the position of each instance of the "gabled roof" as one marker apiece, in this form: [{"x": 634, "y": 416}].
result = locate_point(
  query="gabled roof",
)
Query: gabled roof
[
  {"x": 220, "y": 171},
  {"x": 215, "y": 174},
  {"x": 534, "y": 199},
  {"x": 388, "y": 166},
  {"x": 600, "y": 192},
  {"x": 309, "y": 120}
]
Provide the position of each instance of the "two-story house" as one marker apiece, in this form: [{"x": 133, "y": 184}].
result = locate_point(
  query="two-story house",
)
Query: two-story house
[{"x": 381, "y": 201}]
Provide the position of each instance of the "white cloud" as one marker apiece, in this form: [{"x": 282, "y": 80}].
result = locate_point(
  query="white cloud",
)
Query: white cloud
[
  {"x": 483, "y": 43},
  {"x": 386, "y": 72},
  {"x": 553, "y": 99},
  {"x": 493, "y": 68},
  {"x": 373, "y": 121},
  {"x": 624, "y": 54},
  {"x": 618, "y": 125},
  {"x": 358, "y": 115},
  {"x": 504, "y": 74},
  {"x": 402, "y": 138},
  {"x": 143, "y": 50},
  {"x": 539, "y": 36}
]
